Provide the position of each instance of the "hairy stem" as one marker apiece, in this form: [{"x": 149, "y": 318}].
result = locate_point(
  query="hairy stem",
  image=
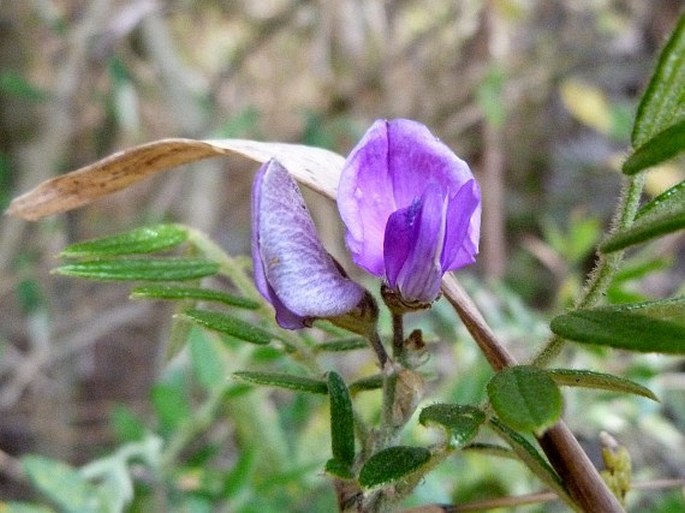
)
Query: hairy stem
[{"x": 607, "y": 264}]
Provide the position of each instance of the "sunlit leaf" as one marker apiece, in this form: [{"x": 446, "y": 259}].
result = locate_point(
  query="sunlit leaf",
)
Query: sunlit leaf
[
  {"x": 143, "y": 269},
  {"x": 316, "y": 168},
  {"x": 194, "y": 293},
  {"x": 525, "y": 397},
  {"x": 279, "y": 380},
  {"x": 599, "y": 380},
  {"x": 229, "y": 325},
  {"x": 662, "y": 147},
  {"x": 663, "y": 104},
  {"x": 62, "y": 484},
  {"x": 663, "y": 215},
  {"x": 654, "y": 327},
  {"x": 392, "y": 464},
  {"x": 461, "y": 421},
  {"x": 140, "y": 240},
  {"x": 342, "y": 420}
]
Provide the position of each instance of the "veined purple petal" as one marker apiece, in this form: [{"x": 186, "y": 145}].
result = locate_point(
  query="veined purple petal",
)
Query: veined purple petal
[
  {"x": 414, "y": 240},
  {"x": 364, "y": 198},
  {"x": 462, "y": 228},
  {"x": 292, "y": 269}
]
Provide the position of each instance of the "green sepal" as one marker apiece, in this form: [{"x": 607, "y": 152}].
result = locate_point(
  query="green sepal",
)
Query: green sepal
[
  {"x": 461, "y": 421},
  {"x": 229, "y": 325},
  {"x": 342, "y": 420},
  {"x": 525, "y": 398},
  {"x": 141, "y": 240},
  {"x": 141, "y": 269},
  {"x": 662, "y": 215},
  {"x": 651, "y": 327},
  {"x": 392, "y": 464},
  {"x": 280, "y": 380},
  {"x": 178, "y": 292},
  {"x": 599, "y": 381}
]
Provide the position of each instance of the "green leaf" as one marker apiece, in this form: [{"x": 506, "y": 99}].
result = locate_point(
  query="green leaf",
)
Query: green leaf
[
  {"x": 491, "y": 450},
  {"x": 343, "y": 344},
  {"x": 599, "y": 380},
  {"x": 530, "y": 456},
  {"x": 62, "y": 484},
  {"x": 194, "y": 293},
  {"x": 339, "y": 469},
  {"x": 167, "y": 269},
  {"x": 631, "y": 327},
  {"x": 229, "y": 325},
  {"x": 392, "y": 464},
  {"x": 461, "y": 421},
  {"x": 664, "y": 214},
  {"x": 279, "y": 380},
  {"x": 365, "y": 384},
  {"x": 342, "y": 420},
  {"x": 525, "y": 397},
  {"x": 663, "y": 104},
  {"x": 661, "y": 147},
  {"x": 126, "y": 424},
  {"x": 206, "y": 358},
  {"x": 141, "y": 240}
]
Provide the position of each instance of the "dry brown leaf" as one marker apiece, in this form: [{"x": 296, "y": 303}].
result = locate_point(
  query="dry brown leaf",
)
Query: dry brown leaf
[{"x": 316, "y": 168}]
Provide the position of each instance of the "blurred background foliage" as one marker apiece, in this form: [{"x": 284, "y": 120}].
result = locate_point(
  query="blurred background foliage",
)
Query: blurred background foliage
[{"x": 537, "y": 95}]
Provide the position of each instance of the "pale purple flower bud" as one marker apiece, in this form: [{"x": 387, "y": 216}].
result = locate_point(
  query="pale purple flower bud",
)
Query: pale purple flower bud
[
  {"x": 292, "y": 270},
  {"x": 411, "y": 208}
]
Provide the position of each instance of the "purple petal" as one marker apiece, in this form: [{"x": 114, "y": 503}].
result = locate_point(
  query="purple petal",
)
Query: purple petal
[
  {"x": 416, "y": 157},
  {"x": 463, "y": 228},
  {"x": 413, "y": 244},
  {"x": 365, "y": 200},
  {"x": 300, "y": 276}
]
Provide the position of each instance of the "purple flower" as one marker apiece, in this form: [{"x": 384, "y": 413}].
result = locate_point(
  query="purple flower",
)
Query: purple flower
[
  {"x": 291, "y": 268},
  {"x": 411, "y": 208}
]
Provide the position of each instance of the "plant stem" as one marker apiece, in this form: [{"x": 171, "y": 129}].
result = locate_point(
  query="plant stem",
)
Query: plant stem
[
  {"x": 607, "y": 264},
  {"x": 580, "y": 477},
  {"x": 397, "y": 335}
]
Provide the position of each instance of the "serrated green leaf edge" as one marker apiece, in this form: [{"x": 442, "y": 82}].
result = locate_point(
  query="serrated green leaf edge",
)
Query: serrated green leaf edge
[
  {"x": 147, "y": 239},
  {"x": 664, "y": 214},
  {"x": 599, "y": 380},
  {"x": 392, "y": 464},
  {"x": 342, "y": 420},
  {"x": 622, "y": 330},
  {"x": 657, "y": 108},
  {"x": 229, "y": 325},
  {"x": 280, "y": 380},
  {"x": 661, "y": 147},
  {"x": 531, "y": 412},
  {"x": 141, "y": 269},
  {"x": 461, "y": 420},
  {"x": 179, "y": 292}
]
